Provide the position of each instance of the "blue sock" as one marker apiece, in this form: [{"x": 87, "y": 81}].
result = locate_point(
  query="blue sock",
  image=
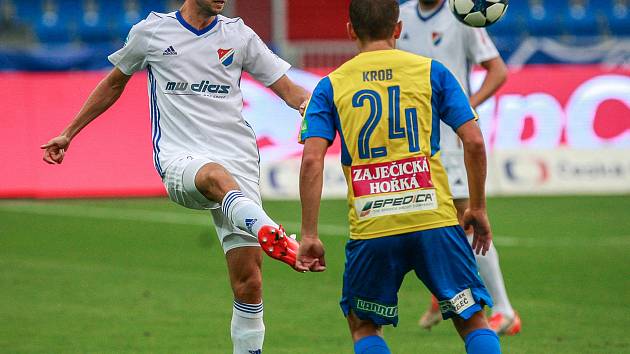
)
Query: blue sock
[
  {"x": 482, "y": 341},
  {"x": 371, "y": 345}
]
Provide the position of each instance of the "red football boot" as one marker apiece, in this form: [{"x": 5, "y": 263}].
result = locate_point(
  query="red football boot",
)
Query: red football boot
[
  {"x": 505, "y": 326},
  {"x": 432, "y": 317},
  {"x": 277, "y": 245}
]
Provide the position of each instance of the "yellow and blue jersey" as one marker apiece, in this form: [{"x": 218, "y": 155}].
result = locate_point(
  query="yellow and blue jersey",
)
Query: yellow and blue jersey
[{"x": 386, "y": 106}]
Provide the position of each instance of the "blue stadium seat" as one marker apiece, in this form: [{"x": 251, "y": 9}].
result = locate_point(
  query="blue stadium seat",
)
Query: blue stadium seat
[
  {"x": 94, "y": 31},
  {"x": 543, "y": 21},
  {"x": 581, "y": 21},
  {"x": 93, "y": 24},
  {"x": 53, "y": 31},
  {"x": 55, "y": 24},
  {"x": 28, "y": 11},
  {"x": 151, "y": 5},
  {"x": 511, "y": 25},
  {"x": 130, "y": 13},
  {"x": 555, "y": 7},
  {"x": 71, "y": 9},
  {"x": 111, "y": 8},
  {"x": 518, "y": 9},
  {"x": 114, "y": 21},
  {"x": 618, "y": 17}
]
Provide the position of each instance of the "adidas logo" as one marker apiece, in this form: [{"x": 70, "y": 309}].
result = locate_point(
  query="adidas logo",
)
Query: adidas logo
[
  {"x": 170, "y": 51},
  {"x": 249, "y": 223}
]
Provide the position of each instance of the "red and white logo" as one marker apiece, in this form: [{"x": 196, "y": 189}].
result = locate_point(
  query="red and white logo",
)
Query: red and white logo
[
  {"x": 396, "y": 176},
  {"x": 436, "y": 37},
  {"x": 226, "y": 56}
]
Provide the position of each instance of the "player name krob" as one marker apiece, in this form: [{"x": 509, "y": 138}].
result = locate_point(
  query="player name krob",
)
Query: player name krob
[{"x": 378, "y": 75}]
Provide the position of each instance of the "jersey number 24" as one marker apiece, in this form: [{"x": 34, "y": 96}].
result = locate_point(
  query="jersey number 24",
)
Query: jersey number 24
[{"x": 396, "y": 131}]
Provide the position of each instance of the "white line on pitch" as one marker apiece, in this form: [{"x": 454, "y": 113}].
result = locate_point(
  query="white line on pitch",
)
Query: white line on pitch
[
  {"x": 165, "y": 217},
  {"x": 199, "y": 219}
]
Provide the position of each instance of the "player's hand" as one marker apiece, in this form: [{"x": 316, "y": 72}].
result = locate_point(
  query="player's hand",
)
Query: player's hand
[
  {"x": 55, "y": 149},
  {"x": 482, "y": 235},
  {"x": 310, "y": 256}
]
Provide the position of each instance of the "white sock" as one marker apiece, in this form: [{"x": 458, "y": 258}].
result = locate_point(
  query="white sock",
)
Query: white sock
[
  {"x": 245, "y": 213},
  {"x": 248, "y": 329},
  {"x": 493, "y": 278}
]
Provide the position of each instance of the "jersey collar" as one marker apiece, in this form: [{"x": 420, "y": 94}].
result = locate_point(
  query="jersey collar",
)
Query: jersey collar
[
  {"x": 437, "y": 11},
  {"x": 192, "y": 29}
]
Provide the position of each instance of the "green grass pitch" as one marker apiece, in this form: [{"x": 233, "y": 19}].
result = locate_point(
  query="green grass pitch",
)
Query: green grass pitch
[{"x": 148, "y": 276}]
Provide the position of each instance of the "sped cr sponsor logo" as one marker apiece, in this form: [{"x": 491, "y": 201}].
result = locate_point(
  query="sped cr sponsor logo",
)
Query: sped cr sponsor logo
[{"x": 396, "y": 204}]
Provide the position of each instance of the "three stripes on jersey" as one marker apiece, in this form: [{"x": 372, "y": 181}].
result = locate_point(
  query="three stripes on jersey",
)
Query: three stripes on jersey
[{"x": 170, "y": 51}]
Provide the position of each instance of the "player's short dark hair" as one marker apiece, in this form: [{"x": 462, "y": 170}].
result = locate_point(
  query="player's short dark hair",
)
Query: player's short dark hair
[{"x": 374, "y": 19}]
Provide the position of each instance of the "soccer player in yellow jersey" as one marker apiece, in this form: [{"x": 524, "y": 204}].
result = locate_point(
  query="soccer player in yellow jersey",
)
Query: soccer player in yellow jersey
[{"x": 386, "y": 106}]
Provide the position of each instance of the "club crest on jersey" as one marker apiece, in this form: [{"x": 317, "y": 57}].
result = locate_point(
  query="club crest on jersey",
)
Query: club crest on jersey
[
  {"x": 226, "y": 56},
  {"x": 437, "y": 38}
]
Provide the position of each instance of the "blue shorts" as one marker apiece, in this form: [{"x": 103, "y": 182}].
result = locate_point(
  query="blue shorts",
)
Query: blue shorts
[{"x": 441, "y": 258}]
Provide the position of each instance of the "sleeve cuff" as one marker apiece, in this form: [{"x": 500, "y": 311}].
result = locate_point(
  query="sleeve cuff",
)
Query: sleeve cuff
[
  {"x": 122, "y": 68},
  {"x": 462, "y": 120},
  {"x": 486, "y": 56},
  {"x": 316, "y": 134},
  {"x": 282, "y": 71}
]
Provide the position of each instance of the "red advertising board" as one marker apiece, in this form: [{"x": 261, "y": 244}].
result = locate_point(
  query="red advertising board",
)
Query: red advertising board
[
  {"x": 304, "y": 16},
  {"x": 545, "y": 107},
  {"x": 111, "y": 157},
  {"x": 540, "y": 108}
]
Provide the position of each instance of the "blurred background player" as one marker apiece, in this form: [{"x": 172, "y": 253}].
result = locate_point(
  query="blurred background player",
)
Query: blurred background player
[
  {"x": 203, "y": 149},
  {"x": 431, "y": 30},
  {"x": 384, "y": 103}
]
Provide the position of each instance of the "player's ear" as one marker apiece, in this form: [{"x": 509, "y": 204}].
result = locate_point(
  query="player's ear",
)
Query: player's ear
[
  {"x": 398, "y": 29},
  {"x": 351, "y": 33}
]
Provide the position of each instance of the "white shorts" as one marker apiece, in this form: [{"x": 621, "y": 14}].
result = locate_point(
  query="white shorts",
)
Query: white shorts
[
  {"x": 179, "y": 180},
  {"x": 453, "y": 161}
]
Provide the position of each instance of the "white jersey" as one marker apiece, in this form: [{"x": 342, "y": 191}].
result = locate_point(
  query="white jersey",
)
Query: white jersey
[
  {"x": 439, "y": 35},
  {"x": 194, "y": 87}
]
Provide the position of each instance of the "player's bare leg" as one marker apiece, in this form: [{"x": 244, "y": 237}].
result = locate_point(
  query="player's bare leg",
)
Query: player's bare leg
[
  {"x": 214, "y": 181},
  {"x": 218, "y": 185},
  {"x": 367, "y": 336},
  {"x": 464, "y": 327},
  {"x": 244, "y": 267},
  {"x": 248, "y": 328},
  {"x": 504, "y": 319},
  {"x": 477, "y": 335}
]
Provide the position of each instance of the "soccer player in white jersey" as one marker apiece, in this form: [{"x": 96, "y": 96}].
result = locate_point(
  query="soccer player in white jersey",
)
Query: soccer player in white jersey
[
  {"x": 430, "y": 29},
  {"x": 203, "y": 149}
]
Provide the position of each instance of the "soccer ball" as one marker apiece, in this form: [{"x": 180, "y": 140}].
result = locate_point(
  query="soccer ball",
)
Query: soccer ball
[{"x": 478, "y": 13}]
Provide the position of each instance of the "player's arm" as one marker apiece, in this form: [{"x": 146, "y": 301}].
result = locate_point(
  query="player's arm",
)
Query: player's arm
[
  {"x": 480, "y": 49},
  {"x": 476, "y": 167},
  {"x": 496, "y": 75},
  {"x": 311, "y": 251},
  {"x": 128, "y": 60},
  {"x": 317, "y": 133},
  {"x": 294, "y": 95},
  {"x": 455, "y": 110},
  {"x": 104, "y": 96},
  {"x": 270, "y": 70}
]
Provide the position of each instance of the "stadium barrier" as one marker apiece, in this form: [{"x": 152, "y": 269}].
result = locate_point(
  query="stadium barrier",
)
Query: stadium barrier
[
  {"x": 560, "y": 171},
  {"x": 550, "y": 130}
]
